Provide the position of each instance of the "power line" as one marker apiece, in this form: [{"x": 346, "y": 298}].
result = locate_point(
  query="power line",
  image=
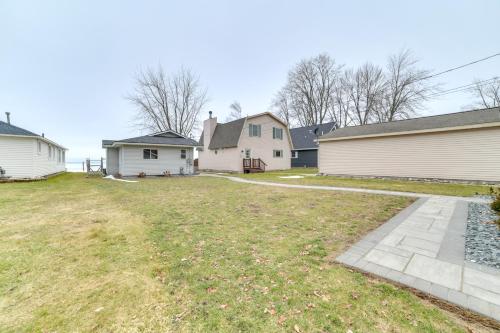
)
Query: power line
[
  {"x": 464, "y": 87},
  {"x": 461, "y": 66}
]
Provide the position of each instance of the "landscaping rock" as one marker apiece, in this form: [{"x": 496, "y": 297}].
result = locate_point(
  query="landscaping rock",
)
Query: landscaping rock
[{"x": 482, "y": 238}]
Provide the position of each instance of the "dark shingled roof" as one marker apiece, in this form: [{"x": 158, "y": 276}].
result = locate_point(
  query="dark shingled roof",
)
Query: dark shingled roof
[
  {"x": 304, "y": 137},
  {"x": 226, "y": 135},
  {"x": 8, "y": 129},
  {"x": 465, "y": 118},
  {"x": 168, "y": 138}
]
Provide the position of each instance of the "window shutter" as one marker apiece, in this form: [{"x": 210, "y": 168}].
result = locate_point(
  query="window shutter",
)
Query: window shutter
[{"x": 259, "y": 129}]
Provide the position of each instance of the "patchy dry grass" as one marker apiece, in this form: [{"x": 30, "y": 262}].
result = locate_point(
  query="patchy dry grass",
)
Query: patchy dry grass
[
  {"x": 375, "y": 184},
  {"x": 193, "y": 254}
]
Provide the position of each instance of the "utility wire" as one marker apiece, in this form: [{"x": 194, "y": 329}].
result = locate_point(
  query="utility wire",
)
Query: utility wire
[{"x": 461, "y": 66}]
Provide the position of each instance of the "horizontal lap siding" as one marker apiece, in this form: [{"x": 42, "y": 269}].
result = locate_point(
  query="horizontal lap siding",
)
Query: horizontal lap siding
[
  {"x": 169, "y": 159},
  {"x": 16, "y": 156},
  {"x": 463, "y": 155},
  {"x": 112, "y": 161},
  {"x": 43, "y": 165}
]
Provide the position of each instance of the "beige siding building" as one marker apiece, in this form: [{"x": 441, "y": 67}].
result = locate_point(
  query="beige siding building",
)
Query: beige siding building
[
  {"x": 259, "y": 137},
  {"x": 458, "y": 146}
]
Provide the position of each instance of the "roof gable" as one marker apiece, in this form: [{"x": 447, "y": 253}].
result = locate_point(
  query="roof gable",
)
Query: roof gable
[
  {"x": 169, "y": 138},
  {"x": 306, "y": 137},
  {"x": 459, "y": 119}
]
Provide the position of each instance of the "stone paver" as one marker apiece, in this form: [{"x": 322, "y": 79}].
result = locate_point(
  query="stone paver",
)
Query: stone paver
[{"x": 423, "y": 248}]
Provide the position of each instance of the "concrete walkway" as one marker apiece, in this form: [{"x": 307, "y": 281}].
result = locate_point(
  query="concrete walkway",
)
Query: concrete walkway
[
  {"x": 423, "y": 247},
  {"x": 343, "y": 189}
]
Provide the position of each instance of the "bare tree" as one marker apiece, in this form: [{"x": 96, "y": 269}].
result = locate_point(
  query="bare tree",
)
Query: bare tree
[
  {"x": 236, "y": 111},
  {"x": 340, "y": 113},
  {"x": 306, "y": 98},
  {"x": 168, "y": 102},
  {"x": 365, "y": 88},
  {"x": 488, "y": 93},
  {"x": 407, "y": 88}
]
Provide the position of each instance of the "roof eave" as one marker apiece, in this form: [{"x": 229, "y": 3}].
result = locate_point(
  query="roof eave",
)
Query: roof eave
[
  {"x": 37, "y": 137},
  {"x": 423, "y": 131}
]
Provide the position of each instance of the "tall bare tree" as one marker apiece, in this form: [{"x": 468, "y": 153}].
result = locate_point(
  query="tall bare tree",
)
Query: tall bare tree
[
  {"x": 488, "y": 93},
  {"x": 236, "y": 111},
  {"x": 168, "y": 102},
  {"x": 306, "y": 98},
  {"x": 365, "y": 88},
  {"x": 407, "y": 87},
  {"x": 282, "y": 108}
]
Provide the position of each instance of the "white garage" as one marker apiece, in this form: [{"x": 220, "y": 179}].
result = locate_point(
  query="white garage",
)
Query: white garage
[{"x": 456, "y": 146}]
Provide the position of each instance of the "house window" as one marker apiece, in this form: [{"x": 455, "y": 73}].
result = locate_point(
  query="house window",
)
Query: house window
[
  {"x": 58, "y": 156},
  {"x": 295, "y": 154},
  {"x": 50, "y": 152},
  {"x": 277, "y": 153},
  {"x": 183, "y": 153},
  {"x": 64, "y": 156},
  {"x": 150, "y": 154},
  {"x": 39, "y": 143},
  {"x": 248, "y": 153},
  {"x": 277, "y": 133},
  {"x": 254, "y": 130}
]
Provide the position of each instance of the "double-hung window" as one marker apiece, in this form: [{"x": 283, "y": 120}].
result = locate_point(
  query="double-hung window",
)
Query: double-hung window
[
  {"x": 295, "y": 154},
  {"x": 254, "y": 130},
  {"x": 277, "y": 153},
  {"x": 183, "y": 154},
  {"x": 277, "y": 133},
  {"x": 50, "y": 152},
  {"x": 150, "y": 154},
  {"x": 39, "y": 146}
]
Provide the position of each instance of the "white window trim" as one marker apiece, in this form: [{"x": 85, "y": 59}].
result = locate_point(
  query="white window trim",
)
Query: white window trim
[
  {"x": 276, "y": 150},
  {"x": 295, "y": 154},
  {"x": 185, "y": 154},
  {"x": 150, "y": 154}
]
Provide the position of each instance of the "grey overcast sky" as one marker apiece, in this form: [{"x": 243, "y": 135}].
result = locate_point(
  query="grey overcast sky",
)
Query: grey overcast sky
[{"x": 65, "y": 66}]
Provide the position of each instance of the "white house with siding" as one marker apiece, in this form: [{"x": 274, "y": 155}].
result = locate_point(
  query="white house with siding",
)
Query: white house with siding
[
  {"x": 251, "y": 144},
  {"x": 26, "y": 155},
  {"x": 152, "y": 154},
  {"x": 456, "y": 146}
]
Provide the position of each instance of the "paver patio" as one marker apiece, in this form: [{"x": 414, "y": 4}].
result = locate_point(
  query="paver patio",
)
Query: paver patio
[{"x": 423, "y": 248}]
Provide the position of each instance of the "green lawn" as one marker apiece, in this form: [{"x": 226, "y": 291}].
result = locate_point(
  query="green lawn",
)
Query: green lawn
[
  {"x": 310, "y": 178},
  {"x": 194, "y": 254}
]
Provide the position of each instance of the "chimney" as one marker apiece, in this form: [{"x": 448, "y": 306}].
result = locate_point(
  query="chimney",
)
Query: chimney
[
  {"x": 8, "y": 117},
  {"x": 43, "y": 135},
  {"x": 208, "y": 129}
]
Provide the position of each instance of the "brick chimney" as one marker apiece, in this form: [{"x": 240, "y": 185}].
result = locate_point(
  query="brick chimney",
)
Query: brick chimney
[{"x": 208, "y": 129}]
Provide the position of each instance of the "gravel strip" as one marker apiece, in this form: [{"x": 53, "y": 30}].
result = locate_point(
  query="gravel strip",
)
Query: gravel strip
[{"x": 482, "y": 238}]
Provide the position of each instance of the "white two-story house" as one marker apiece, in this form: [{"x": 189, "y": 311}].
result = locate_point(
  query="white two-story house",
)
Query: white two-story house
[{"x": 251, "y": 144}]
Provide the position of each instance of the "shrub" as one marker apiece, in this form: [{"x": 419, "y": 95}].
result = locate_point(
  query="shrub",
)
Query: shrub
[
  {"x": 495, "y": 205},
  {"x": 142, "y": 175}
]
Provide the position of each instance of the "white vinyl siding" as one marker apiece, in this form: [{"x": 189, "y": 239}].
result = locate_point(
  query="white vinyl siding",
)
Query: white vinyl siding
[
  {"x": 459, "y": 155},
  {"x": 112, "y": 161},
  {"x": 132, "y": 162}
]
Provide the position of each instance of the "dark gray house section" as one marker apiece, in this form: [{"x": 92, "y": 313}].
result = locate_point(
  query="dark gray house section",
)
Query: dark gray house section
[{"x": 305, "y": 145}]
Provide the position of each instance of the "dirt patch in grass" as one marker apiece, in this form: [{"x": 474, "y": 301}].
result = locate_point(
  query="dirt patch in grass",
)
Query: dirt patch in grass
[{"x": 193, "y": 254}]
